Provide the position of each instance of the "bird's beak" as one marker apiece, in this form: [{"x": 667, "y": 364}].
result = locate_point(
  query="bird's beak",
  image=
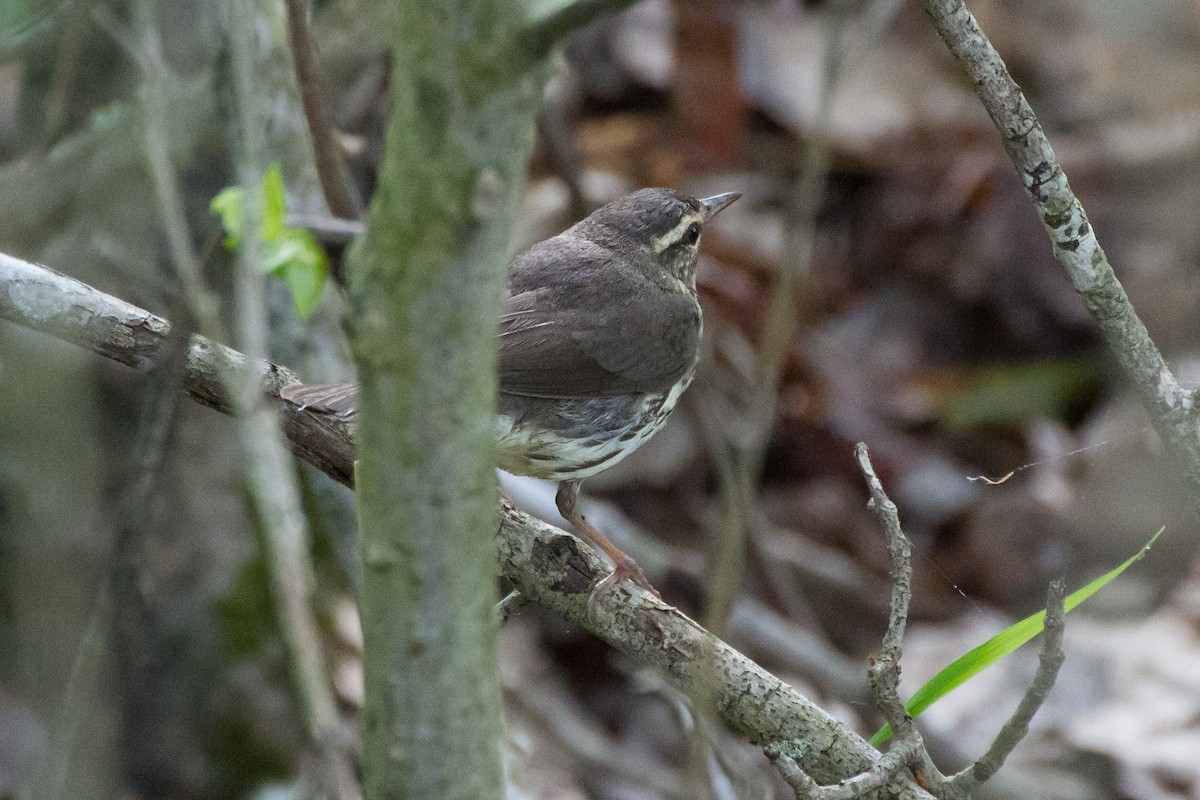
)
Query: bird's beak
[{"x": 717, "y": 202}]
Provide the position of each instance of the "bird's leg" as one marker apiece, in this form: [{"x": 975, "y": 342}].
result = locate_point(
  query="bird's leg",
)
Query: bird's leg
[{"x": 567, "y": 500}]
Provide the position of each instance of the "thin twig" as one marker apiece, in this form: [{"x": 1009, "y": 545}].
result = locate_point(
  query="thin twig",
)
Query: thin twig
[
  {"x": 147, "y": 54},
  {"x": 803, "y": 785},
  {"x": 510, "y": 605},
  {"x": 884, "y": 674},
  {"x": 132, "y": 612},
  {"x": 588, "y": 742},
  {"x": 872, "y": 780},
  {"x": 740, "y": 468},
  {"x": 66, "y": 67},
  {"x": 49, "y": 780},
  {"x": 339, "y": 192},
  {"x": 893, "y": 761},
  {"x": 561, "y": 155},
  {"x": 326, "y": 228},
  {"x": 1050, "y": 659},
  {"x": 898, "y": 548},
  {"x": 883, "y": 677},
  {"x": 781, "y": 318}
]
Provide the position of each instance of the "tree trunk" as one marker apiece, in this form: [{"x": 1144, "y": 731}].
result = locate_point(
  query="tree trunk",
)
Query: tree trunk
[{"x": 425, "y": 285}]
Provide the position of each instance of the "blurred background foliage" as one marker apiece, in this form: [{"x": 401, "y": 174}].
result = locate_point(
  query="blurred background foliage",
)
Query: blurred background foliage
[{"x": 920, "y": 311}]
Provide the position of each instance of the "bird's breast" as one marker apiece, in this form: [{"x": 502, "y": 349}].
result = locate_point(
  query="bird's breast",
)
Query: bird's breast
[{"x": 574, "y": 438}]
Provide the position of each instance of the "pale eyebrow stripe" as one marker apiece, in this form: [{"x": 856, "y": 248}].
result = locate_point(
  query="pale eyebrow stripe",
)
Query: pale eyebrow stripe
[{"x": 670, "y": 237}]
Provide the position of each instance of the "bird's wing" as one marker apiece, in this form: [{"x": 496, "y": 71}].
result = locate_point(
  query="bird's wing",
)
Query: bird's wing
[
  {"x": 552, "y": 347},
  {"x": 575, "y": 323},
  {"x": 641, "y": 345}
]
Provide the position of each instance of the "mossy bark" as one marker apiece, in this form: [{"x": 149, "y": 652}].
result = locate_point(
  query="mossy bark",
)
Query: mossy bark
[{"x": 425, "y": 286}]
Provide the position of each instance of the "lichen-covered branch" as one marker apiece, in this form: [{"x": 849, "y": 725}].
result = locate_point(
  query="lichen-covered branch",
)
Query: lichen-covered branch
[
  {"x": 884, "y": 675},
  {"x": 55, "y": 304},
  {"x": 553, "y": 569},
  {"x": 547, "y": 565},
  {"x": 1171, "y": 408}
]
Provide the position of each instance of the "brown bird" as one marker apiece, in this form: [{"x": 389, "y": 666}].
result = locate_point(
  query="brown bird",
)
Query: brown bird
[{"x": 599, "y": 337}]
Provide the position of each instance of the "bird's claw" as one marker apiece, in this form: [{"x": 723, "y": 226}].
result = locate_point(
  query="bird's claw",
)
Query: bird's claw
[{"x": 624, "y": 569}]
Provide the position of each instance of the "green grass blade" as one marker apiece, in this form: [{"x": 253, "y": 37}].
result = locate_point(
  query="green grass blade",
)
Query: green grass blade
[{"x": 980, "y": 658}]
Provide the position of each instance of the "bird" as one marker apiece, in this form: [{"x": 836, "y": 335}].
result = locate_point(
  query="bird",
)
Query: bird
[{"x": 599, "y": 336}]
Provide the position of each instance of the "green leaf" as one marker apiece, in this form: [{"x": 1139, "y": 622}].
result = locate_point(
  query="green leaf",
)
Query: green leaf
[
  {"x": 980, "y": 658},
  {"x": 305, "y": 270},
  {"x": 274, "y": 205},
  {"x": 228, "y": 206},
  {"x": 291, "y": 254}
]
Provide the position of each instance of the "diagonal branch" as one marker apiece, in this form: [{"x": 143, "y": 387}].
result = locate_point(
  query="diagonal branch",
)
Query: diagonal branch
[
  {"x": 52, "y": 303},
  {"x": 1171, "y": 408},
  {"x": 547, "y": 565}
]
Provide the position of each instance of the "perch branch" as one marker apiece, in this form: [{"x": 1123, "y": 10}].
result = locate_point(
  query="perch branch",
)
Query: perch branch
[{"x": 547, "y": 565}]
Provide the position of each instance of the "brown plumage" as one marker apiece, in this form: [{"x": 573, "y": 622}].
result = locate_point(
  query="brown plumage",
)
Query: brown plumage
[{"x": 599, "y": 336}]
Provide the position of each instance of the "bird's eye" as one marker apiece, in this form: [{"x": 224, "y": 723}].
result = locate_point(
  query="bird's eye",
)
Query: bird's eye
[{"x": 692, "y": 234}]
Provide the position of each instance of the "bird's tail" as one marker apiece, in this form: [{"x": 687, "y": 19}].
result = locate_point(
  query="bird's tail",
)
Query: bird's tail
[{"x": 336, "y": 399}]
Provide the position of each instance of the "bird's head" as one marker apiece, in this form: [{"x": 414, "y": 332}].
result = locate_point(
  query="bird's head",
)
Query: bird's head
[{"x": 664, "y": 224}]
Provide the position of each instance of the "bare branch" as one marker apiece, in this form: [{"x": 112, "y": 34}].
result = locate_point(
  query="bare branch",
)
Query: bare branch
[
  {"x": 1049, "y": 661},
  {"x": 270, "y": 474},
  {"x": 740, "y": 460},
  {"x": 331, "y": 167},
  {"x": 804, "y": 786},
  {"x": 1171, "y": 408},
  {"x": 47, "y": 301},
  {"x": 335, "y": 230},
  {"x": 874, "y": 779},
  {"x": 884, "y": 675}
]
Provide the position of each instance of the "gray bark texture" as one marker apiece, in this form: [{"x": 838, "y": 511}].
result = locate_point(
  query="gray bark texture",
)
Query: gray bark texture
[{"x": 1172, "y": 409}]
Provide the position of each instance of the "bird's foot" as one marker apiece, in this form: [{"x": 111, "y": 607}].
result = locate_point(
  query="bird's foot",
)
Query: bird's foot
[{"x": 625, "y": 568}]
